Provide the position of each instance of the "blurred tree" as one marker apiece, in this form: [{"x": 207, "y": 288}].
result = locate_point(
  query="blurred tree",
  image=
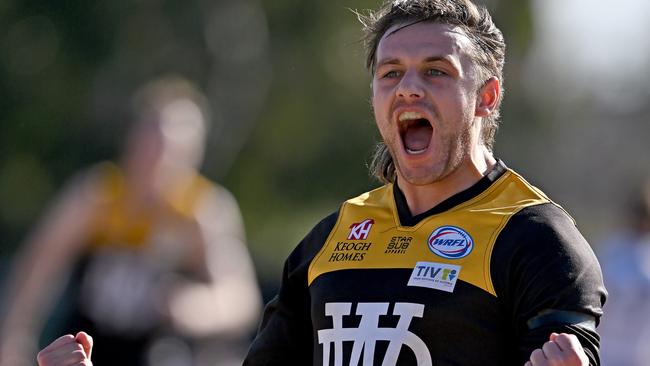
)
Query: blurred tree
[{"x": 66, "y": 68}]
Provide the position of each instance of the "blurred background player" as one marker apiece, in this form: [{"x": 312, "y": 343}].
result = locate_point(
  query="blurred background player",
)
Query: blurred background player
[
  {"x": 625, "y": 257},
  {"x": 152, "y": 253}
]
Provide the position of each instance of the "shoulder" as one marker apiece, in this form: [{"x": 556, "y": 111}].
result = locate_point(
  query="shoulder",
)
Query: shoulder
[
  {"x": 94, "y": 186},
  {"x": 535, "y": 218},
  {"x": 542, "y": 237},
  {"x": 205, "y": 189},
  {"x": 539, "y": 249},
  {"x": 311, "y": 244},
  {"x": 380, "y": 198},
  {"x": 542, "y": 231},
  {"x": 545, "y": 219},
  {"x": 198, "y": 197}
]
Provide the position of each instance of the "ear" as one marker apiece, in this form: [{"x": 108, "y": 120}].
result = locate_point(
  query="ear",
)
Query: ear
[{"x": 487, "y": 97}]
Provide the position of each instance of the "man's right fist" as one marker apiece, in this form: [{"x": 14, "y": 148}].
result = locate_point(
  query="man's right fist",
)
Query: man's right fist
[{"x": 68, "y": 350}]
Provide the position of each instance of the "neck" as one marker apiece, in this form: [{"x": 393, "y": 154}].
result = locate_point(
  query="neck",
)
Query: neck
[{"x": 421, "y": 198}]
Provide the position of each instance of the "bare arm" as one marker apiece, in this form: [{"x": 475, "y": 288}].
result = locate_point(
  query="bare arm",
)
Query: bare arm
[
  {"x": 40, "y": 268},
  {"x": 229, "y": 303}
]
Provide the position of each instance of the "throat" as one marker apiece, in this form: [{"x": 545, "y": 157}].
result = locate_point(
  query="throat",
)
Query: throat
[{"x": 417, "y": 138}]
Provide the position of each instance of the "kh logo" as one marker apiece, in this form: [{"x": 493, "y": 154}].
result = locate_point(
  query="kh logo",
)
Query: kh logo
[
  {"x": 368, "y": 333},
  {"x": 360, "y": 231}
]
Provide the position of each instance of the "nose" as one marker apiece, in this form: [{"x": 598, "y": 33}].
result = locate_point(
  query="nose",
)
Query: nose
[{"x": 410, "y": 86}]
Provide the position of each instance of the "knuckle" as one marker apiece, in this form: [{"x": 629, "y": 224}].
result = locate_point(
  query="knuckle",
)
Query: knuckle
[
  {"x": 66, "y": 338},
  {"x": 537, "y": 355},
  {"x": 78, "y": 355},
  {"x": 564, "y": 339},
  {"x": 569, "y": 338},
  {"x": 550, "y": 347}
]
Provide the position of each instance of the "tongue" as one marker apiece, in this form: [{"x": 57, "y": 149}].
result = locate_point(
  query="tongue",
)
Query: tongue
[{"x": 417, "y": 137}]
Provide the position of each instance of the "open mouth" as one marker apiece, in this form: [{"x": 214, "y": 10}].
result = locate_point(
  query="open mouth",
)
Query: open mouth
[{"x": 415, "y": 131}]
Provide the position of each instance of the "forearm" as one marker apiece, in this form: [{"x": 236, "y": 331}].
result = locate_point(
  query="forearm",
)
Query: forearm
[
  {"x": 30, "y": 295},
  {"x": 230, "y": 306}
]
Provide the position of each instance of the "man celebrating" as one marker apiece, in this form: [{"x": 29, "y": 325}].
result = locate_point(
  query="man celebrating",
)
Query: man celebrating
[{"x": 456, "y": 260}]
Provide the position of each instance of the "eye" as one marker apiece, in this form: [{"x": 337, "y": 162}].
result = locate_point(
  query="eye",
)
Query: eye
[
  {"x": 391, "y": 74},
  {"x": 435, "y": 72}
]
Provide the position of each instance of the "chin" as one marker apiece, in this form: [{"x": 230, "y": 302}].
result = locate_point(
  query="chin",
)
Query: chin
[
  {"x": 429, "y": 174},
  {"x": 420, "y": 177}
]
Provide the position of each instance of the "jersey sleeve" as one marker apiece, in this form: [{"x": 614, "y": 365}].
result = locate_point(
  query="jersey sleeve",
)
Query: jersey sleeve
[
  {"x": 285, "y": 336},
  {"x": 547, "y": 279}
]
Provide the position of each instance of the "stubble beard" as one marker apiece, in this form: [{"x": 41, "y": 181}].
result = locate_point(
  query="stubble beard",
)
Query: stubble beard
[{"x": 446, "y": 162}]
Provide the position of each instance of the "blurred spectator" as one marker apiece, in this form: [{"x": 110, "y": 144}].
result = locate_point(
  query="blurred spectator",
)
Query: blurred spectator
[
  {"x": 152, "y": 254},
  {"x": 625, "y": 258}
]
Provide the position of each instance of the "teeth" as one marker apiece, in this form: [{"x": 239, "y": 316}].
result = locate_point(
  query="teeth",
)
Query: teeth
[
  {"x": 415, "y": 152},
  {"x": 409, "y": 116}
]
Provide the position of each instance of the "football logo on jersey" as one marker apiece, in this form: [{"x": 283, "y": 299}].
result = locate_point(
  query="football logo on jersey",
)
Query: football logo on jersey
[
  {"x": 450, "y": 242},
  {"x": 360, "y": 231},
  {"x": 364, "y": 338}
]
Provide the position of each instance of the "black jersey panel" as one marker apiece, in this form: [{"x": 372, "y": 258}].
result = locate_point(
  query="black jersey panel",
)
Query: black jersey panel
[
  {"x": 541, "y": 264},
  {"x": 463, "y": 327},
  {"x": 283, "y": 337}
]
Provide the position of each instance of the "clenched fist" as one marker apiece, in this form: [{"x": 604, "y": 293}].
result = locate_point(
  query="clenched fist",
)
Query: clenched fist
[
  {"x": 560, "y": 350},
  {"x": 68, "y": 350}
]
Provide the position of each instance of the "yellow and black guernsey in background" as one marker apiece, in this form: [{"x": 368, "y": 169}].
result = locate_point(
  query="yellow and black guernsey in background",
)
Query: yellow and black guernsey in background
[{"x": 481, "y": 279}]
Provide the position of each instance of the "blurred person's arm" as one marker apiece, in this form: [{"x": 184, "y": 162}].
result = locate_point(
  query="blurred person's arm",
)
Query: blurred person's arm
[
  {"x": 40, "y": 268},
  {"x": 229, "y": 303}
]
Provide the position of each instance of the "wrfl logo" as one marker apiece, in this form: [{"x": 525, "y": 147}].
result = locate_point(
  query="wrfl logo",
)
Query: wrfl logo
[{"x": 450, "y": 242}]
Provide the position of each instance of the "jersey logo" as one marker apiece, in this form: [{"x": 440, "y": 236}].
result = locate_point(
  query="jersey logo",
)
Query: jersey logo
[
  {"x": 439, "y": 276},
  {"x": 360, "y": 231},
  {"x": 450, "y": 242},
  {"x": 368, "y": 333}
]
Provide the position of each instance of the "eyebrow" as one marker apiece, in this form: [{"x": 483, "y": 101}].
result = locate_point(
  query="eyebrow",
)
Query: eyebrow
[
  {"x": 388, "y": 61},
  {"x": 396, "y": 61},
  {"x": 455, "y": 67}
]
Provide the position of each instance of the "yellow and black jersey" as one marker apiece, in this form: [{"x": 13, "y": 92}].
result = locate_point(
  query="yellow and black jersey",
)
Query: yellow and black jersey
[
  {"x": 118, "y": 225},
  {"x": 131, "y": 249},
  {"x": 481, "y": 279}
]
